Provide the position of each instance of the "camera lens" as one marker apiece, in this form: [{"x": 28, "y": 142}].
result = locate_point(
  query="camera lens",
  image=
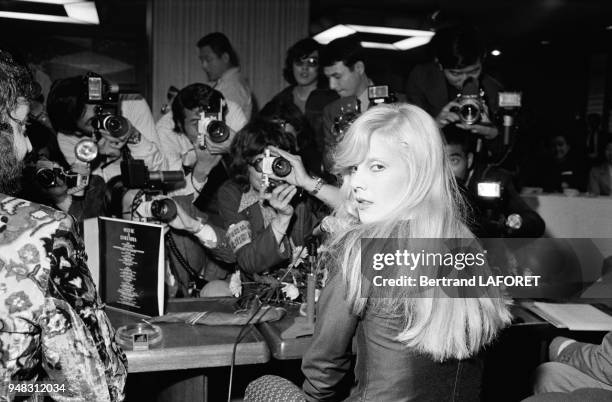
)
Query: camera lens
[
  {"x": 469, "y": 109},
  {"x": 281, "y": 167},
  {"x": 218, "y": 131},
  {"x": 164, "y": 210},
  {"x": 117, "y": 126},
  {"x": 46, "y": 177}
]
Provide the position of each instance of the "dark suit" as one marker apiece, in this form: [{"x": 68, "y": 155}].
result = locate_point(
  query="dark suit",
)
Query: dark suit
[
  {"x": 261, "y": 252},
  {"x": 427, "y": 88}
]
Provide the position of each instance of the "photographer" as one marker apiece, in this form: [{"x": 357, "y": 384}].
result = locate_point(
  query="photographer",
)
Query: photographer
[
  {"x": 73, "y": 113},
  {"x": 457, "y": 70},
  {"x": 196, "y": 135},
  {"x": 266, "y": 219},
  {"x": 47, "y": 179},
  {"x": 344, "y": 65},
  {"x": 498, "y": 210},
  {"x": 197, "y": 249}
]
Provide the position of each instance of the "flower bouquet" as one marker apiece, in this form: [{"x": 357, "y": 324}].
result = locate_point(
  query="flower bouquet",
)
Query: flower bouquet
[{"x": 282, "y": 286}]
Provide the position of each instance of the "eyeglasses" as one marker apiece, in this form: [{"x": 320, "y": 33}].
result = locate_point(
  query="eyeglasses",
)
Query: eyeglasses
[
  {"x": 307, "y": 62},
  {"x": 256, "y": 164}
]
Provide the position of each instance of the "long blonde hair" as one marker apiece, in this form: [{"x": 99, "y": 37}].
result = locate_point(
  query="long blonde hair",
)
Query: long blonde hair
[{"x": 440, "y": 326}]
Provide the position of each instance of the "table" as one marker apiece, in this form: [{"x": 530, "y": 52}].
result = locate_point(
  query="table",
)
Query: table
[
  {"x": 578, "y": 217},
  {"x": 186, "y": 351},
  {"x": 287, "y": 349}
]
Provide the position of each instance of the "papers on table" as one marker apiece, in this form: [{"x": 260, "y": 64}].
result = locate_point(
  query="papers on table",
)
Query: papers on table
[{"x": 575, "y": 317}]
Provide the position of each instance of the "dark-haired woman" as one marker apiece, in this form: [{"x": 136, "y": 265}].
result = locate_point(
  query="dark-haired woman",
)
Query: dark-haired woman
[{"x": 265, "y": 225}]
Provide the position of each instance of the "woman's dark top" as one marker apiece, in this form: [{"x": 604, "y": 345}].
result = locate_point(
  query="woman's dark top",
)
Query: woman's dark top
[{"x": 386, "y": 370}]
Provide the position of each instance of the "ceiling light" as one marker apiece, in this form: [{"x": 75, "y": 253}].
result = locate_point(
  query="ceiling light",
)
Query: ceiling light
[
  {"x": 77, "y": 12},
  {"x": 85, "y": 11},
  {"x": 495, "y": 52},
  {"x": 340, "y": 30},
  {"x": 39, "y": 17},
  {"x": 59, "y": 2},
  {"x": 378, "y": 45},
  {"x": 608, "y": 28},
  {"x": 335, "y": 32},
  {"x": 411, "y": 43},
  {"x": 545, "y": 42},
  {"x": 390, "y": 31}
]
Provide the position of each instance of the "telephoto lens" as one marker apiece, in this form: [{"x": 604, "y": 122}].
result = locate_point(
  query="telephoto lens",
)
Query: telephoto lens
[
  {"x": 218, "y": 131},
  {"x": 164, "y": 210}
]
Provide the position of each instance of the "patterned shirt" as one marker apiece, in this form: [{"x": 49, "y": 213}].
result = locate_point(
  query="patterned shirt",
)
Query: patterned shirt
[{"x": 52, "y": 325}]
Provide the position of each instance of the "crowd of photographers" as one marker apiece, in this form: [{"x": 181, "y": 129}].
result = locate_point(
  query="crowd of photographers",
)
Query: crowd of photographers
[
  {"x": 98, "y": 151},
  {"x": 206, "y": 167},
  {"x": 241, "y": 188}
]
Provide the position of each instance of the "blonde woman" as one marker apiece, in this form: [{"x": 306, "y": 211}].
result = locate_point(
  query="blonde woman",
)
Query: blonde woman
[{"x": 397, "y": 183}]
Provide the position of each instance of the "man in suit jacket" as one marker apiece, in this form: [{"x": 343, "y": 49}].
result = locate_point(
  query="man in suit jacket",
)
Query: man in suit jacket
[
  {"x": 434, "y": 86},
  {"x": 344, "y": 65}
]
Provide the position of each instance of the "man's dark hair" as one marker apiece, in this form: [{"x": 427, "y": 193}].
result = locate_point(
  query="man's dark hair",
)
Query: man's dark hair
[
  {"x": 193, "y": 96},
  {"x": 15, "y": 81},
  {"x": 347, "y": 50},
  {"x": 66, "y": 103},
  {"x": 297, "y": 52},
  {"x": 456, "y": 136},
  {"x": 219, "y": 44},
  {"x": 458, "y": 46},
  {"x": 250, "y": 142}
]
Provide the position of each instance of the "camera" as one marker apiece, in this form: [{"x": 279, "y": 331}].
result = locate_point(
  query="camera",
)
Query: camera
[
  {"x": 378, "y": 94},
  {"x": 277, "y": 165},
  {"x": 470, "y": 109},
  {"x": 163, "y": 210},
  {"x": 135, "y": 174},
  {"x": 348, "y": 114},
  {"x": 117, "y": 126},
  {"x": 211, "y": 122},
  {"x": 51, "y": 177},
  {"x": 108, "y": 117}
]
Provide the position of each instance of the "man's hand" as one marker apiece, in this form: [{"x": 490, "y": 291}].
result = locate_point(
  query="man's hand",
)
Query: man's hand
[
  {"x": 184, "y": 221},
  {"x": 485, "y": 128},
  {"x": 446, "y": 116},
  {"x": 487, "y": 131},
  {"x": 280, "y": 198}
]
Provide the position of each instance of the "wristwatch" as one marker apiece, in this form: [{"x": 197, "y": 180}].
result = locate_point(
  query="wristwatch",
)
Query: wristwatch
[{"x": 317, "y": 186}]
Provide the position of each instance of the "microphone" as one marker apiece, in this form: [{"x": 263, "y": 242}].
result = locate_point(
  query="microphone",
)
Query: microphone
[{"x": 325, "y": 227}]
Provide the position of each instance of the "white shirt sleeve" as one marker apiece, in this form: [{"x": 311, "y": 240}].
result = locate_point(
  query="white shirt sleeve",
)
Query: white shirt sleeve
[{"x": 136, "y": 110}]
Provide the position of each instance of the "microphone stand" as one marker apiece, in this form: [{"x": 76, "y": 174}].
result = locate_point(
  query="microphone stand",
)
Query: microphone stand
[{"x": 304, "y": 326}]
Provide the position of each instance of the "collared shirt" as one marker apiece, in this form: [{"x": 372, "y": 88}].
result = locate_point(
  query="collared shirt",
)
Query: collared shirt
[
  {"x": 235, "y": 88},
  {"x": 176, "y": 145},
  {"x": 53, "y": 323},
  {"x": 364, "y": 100}
]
